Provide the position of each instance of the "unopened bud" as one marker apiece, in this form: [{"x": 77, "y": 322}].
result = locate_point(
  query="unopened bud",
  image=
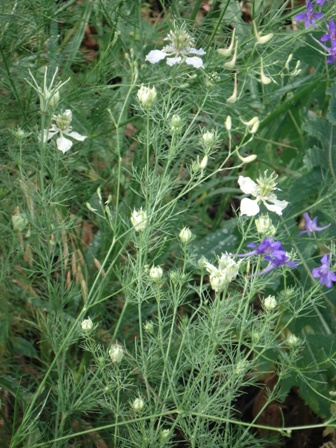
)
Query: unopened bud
[
  {"x": 288, "y": 61},
  {"x": 253, "y": 124},
  {"x": 54, "y": 100},
  {"x": 185, "y": 235},
  {"x": 149, "y": 327},
  {"x": 231, "y": 64},
  {"x": 270, "y": 303},
  {"x": 233, "y": 97},
  {"x": 87, "y": 325},
  {"x": 261, "y": 39},
  {"x": 263, "y": 78},
  {"x": 139, "y": 219},
  {"x": 209, "y": 138},
  {"x": 175, "y": 123},
  {"x": 146, "y": 96},
  {"x": 264, "y": 226},
  {"x": 138, "y": 404},
  {"x": 226, "y": 52},
  {"x": 204, "y": 162},
  {"x": 19, "y": 221},
  {"x": 228, "y": 123},
  {"x": 164, "y": 434},
  {"x": 156, "y": 273},
  {"x": 293, "y": 340},
  {"x": 116, "y": 353}
]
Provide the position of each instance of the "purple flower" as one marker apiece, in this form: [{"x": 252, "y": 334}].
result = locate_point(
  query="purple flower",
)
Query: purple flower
[
  {"x": 309, "y": 16},
  {"x": 331, "y": 35},
  {"x": 324, "y": 272},
  {"x": 321, "y": 2},
  {"x": 274, "y": 253},
  {"x": 311, "y": 225}
]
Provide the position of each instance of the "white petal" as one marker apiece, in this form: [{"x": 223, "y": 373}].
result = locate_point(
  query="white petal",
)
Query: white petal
[
  {"x": 249, "y": 207},
  {"x": 247, "y": 185},
  {"x": 195, "y": 61},
  {"x": 210, "y": 268},
  {"x": 76, "y": 136},
  {"x": 52, "y": 131},
  {"x": 173, "y": 61},
  {"x": 155, "y": 56},
  {"x": 200, "y": 52},
  {"x": 63, "y": 144},
  {"x": 277, "y": 207}
]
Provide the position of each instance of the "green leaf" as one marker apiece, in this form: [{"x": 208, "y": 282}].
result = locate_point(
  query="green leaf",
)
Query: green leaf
[
  {"x": 325, "y": 155},
  {"x": 216, "y": 243},
  {"x": 24, "y": 347},
  {"x": 318, "y": 372}
]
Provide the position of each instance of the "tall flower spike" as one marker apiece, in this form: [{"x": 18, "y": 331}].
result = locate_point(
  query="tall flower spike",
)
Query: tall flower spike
[
  {"x": 261, "y": 39},
  {"x": 179, "y": 49}
]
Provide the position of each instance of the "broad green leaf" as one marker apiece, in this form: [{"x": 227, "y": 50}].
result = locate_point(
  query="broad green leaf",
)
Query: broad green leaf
[
  {"x": 216, "y": 243},
  {"x": 325, "y": 156}
]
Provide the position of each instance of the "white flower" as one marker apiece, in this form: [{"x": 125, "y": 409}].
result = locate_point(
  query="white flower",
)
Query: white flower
[
  {"x": 156, "y": 273},
  {"x": 146, "y": 96},
  {"x": 139, "y": 219},
  {"x": 180, "y": 46},
  {"x": 138, "y": 404},
  {"x": 116, "y": 353},
  {"x": 62, "y": 127},
  {"x": 220, "y": 277},
  {"x": 270, "y": 303},
  {"x": 262, "y": 191},
  {"x": 87, "y": 325}
]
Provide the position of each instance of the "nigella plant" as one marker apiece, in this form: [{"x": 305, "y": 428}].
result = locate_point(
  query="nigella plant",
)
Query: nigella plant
[
  {"x": 274, "y": 253},
  {"x": 262, "y": 191},
  {"x": 179, "y": 49}
]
